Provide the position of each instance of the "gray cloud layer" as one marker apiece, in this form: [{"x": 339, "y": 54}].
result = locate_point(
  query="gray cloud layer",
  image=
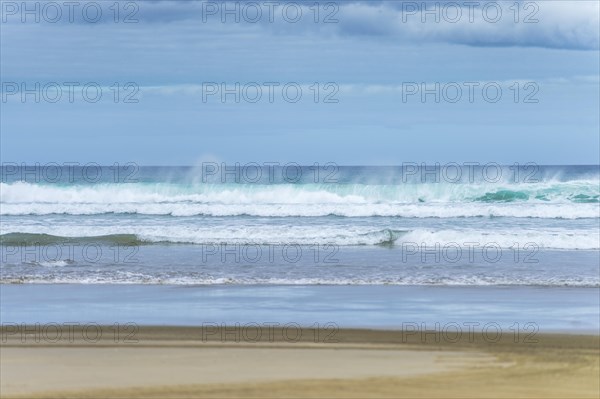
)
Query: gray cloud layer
[{"x": 546, "y": 24}]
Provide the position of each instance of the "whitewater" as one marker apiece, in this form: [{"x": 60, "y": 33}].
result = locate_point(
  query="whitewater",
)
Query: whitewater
[{"x": 370, "y": 217}]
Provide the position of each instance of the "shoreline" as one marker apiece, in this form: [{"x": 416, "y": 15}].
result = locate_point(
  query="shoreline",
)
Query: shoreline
[
  {"x": 130, "y": 334},
  {"x": 179, "y": 361}
]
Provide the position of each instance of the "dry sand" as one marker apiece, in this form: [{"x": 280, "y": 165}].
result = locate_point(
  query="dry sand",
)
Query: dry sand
[{"x": 176, "y": 362}]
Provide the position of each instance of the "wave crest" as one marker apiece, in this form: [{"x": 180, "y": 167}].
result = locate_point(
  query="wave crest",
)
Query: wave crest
[{"x": 570, "y": 200}]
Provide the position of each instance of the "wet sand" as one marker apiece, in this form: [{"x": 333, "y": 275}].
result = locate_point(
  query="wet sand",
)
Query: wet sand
[{"x": 181, "y": 362}]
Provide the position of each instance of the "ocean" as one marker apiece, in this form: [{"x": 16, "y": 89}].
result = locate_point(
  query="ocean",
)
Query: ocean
[{"x": 216, "y": 227}]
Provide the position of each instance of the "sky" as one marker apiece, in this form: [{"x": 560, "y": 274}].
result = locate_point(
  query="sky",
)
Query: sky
[{"x": 350, "y": 82}]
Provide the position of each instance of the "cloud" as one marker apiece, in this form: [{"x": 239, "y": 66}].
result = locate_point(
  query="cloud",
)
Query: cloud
[
  {"x": 561, "y": 25},
  {"x": 545, "y": 24},
  {"x": 362, "y": 89}
]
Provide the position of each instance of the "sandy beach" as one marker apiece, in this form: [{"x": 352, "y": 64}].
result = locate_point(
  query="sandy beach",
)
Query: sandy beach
[{"x": 182, "y": 362}]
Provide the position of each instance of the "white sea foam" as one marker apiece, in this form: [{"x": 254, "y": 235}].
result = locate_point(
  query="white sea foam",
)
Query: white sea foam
[
  {"x": 566, "y": 200},
  {"x": 344, "y": 235},
  {"x": 459, "y": 280}
]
